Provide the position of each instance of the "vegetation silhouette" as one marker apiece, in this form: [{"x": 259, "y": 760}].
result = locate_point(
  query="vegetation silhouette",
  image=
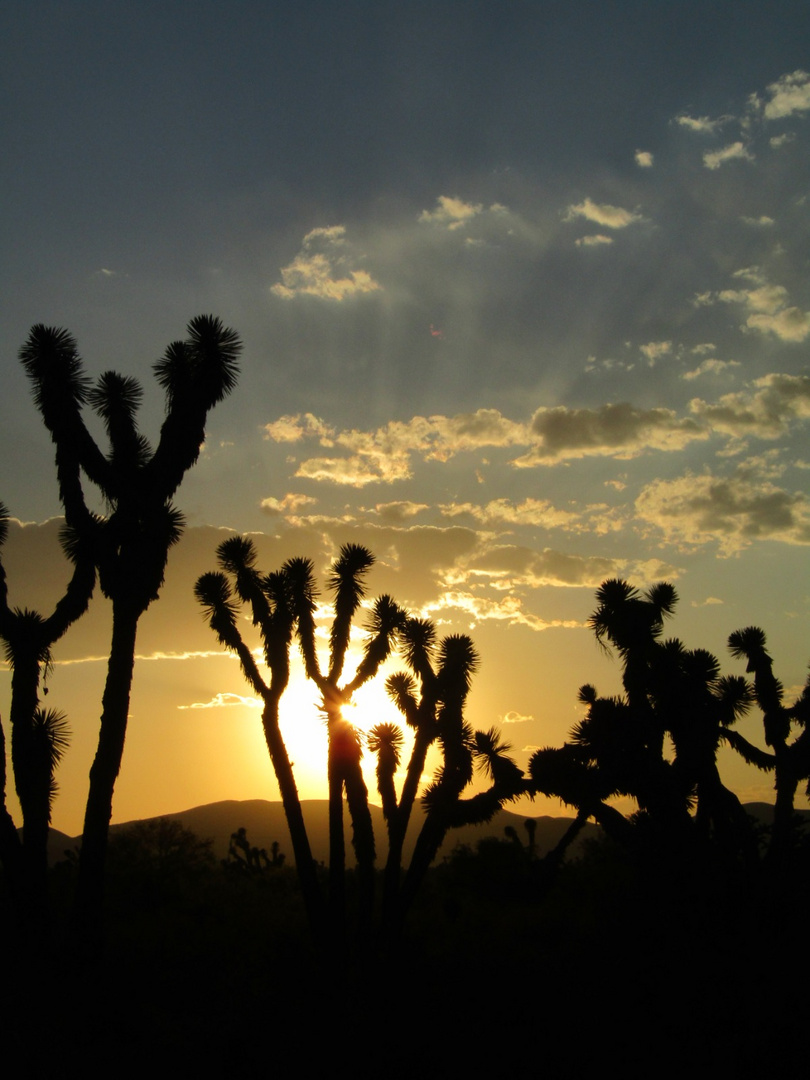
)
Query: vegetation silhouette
[
  {"x": 39, "y": 737},
  {"x": 282, "y": 605},
  {"x": 676, "y": 694},
  {"x": 132, "y": 541}
]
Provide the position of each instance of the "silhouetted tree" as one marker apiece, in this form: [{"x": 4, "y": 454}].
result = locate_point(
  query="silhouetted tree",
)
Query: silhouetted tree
[
  {"x": 39, "y": 737},
  {"x": 444, "y": 672},
  {"x": 790, "y": 761},
  {"x": 133, "y": 540},
  {"x": 270, "y": 599},
  {"x": 346, "y": 582}
]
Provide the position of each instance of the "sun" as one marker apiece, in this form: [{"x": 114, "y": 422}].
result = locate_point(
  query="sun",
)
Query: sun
[{"x": 303, "y": 726}]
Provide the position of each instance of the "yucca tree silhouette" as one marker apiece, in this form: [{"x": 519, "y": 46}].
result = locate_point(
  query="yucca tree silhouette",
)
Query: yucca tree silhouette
[
  {"x": 697, "y": 706},
  {"x": 444, "y": 672},
  {"x": 38, "y": 737},
  {"x": 270, "y": 599},
  {"x": 346, "y": 582},
  {"x": 134, "y": 538},
  {"x": 790, "y": 761},
  {"x": 632, "y": 623}
]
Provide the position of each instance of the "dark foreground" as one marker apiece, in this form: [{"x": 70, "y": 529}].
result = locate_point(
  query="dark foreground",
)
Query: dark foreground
[{"x": 638, "y": 968}]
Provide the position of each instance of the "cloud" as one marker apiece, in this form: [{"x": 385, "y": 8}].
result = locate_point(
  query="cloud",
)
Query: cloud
[
  {"x": 788, "y": 95},
  {"x": 712, "y": 366},
  {"x": 301, "y": 426},
  {"x": 644, "y": 159},
  {"x": 396, "y": 513},
  {"x": 766, "y": 412},
  {"x": 713, "y": 159},
  {"x": 768, "y": 307},
  {"x": 621, "y": 431},
  {"x": 384, "y": 455},
  {"x": 701, "y": 124},
  {"x": 322, "y": 268},
  {"x": 595, "y": 240},
  {"x": 513, "y": 717},
  {"x": 611, "y": 217},
  {"x": 221, "y": 701},
  {"x": 451, "y": 212},
  {"x": 763, "y": 221},
  {"x": 732, "y": 512},
  {"x": 507, "y": 567},
  {"x": 507, "y": 609},
  {"x": 503, "y": 512},
  {"x": 290, "y": 504},
  {"x": 654, "y": 350}
]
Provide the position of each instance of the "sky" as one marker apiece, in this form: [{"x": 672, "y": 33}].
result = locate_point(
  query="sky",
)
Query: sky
[{"x": 523, "y": 291}]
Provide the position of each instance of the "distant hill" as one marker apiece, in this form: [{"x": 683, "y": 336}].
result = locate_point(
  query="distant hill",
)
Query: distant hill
[{"x": 265, "y": 822}]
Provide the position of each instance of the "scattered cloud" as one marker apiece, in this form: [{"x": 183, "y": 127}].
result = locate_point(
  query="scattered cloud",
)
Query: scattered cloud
[
  {"x": 712, "y": 366},
  {"x": 768, "y": 306},
  {"x": 763, "y": 221},
  {"x": 222, "y": 701},
  {"x": 594, "y": 240},
  {"x": 765, "y": 412},
  {"x": 713, "y": 159},
  {"x": 539, "y": 512},
  {"x": 731, "y": 511},
  {"x": 611, "y": 217},
  {"x": 788, "y": 95},
  {"x": 622, "y": 431},
  {"x": 290, "y": 504},
  {"x": 452, "y": 212},
  {"x": 703, "y": 125},
  {"x": 654, "y": 350},
  {"x": 324, "y": 267},
  {"x": 513, "y": 717},
  {"x": 644, "y": 159}
]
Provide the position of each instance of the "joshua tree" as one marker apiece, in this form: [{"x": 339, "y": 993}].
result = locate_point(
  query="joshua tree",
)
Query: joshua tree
[
  {"x": 444, "y": 673},
  {"x": 134, "y": 538},
  {"x": 38, "y": 736},
  {"x": 271, "y": 603},
  {"x": 284, "y": 603},
  {"x": 347, "y": 583},
  {"x": 790, "y": 761}
]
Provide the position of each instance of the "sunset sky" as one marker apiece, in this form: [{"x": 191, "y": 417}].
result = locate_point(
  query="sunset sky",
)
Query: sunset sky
[{"x": 524, "y": 295}]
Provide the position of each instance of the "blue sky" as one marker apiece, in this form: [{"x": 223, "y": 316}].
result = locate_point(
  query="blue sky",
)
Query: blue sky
[{"x": 524, "y": 295}]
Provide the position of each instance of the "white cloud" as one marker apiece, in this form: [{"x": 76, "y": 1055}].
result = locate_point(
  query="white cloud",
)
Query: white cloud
[
  {"x": 324, "y": 268},
  {"x": 788, "y": 95},
  {"x": 654, "y": 350},
  {"x": 453, "y": 212},
  {"x": 781, "y": 140},
  {"x": 768, "y": 307},
  {"x": 611, "y": 217},
  {"x": 701, "y": 124},
  {"x": 594, "y": 240},
  {"x": 221, "y": 701},
  {"x": 712, "y": 366},
  {"x": 713, "y": 159},
  {"x": 644, "y": 159},
  {"x": 501, "y": 511},
  {"x": 762, "y": 221}
]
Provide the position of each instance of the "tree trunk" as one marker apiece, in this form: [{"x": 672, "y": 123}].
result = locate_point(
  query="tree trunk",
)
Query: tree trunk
[
  {"x": 304, "y": 863},
  {"x": 104, "y": 771},
  {"x": 32, "y": 789}
]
